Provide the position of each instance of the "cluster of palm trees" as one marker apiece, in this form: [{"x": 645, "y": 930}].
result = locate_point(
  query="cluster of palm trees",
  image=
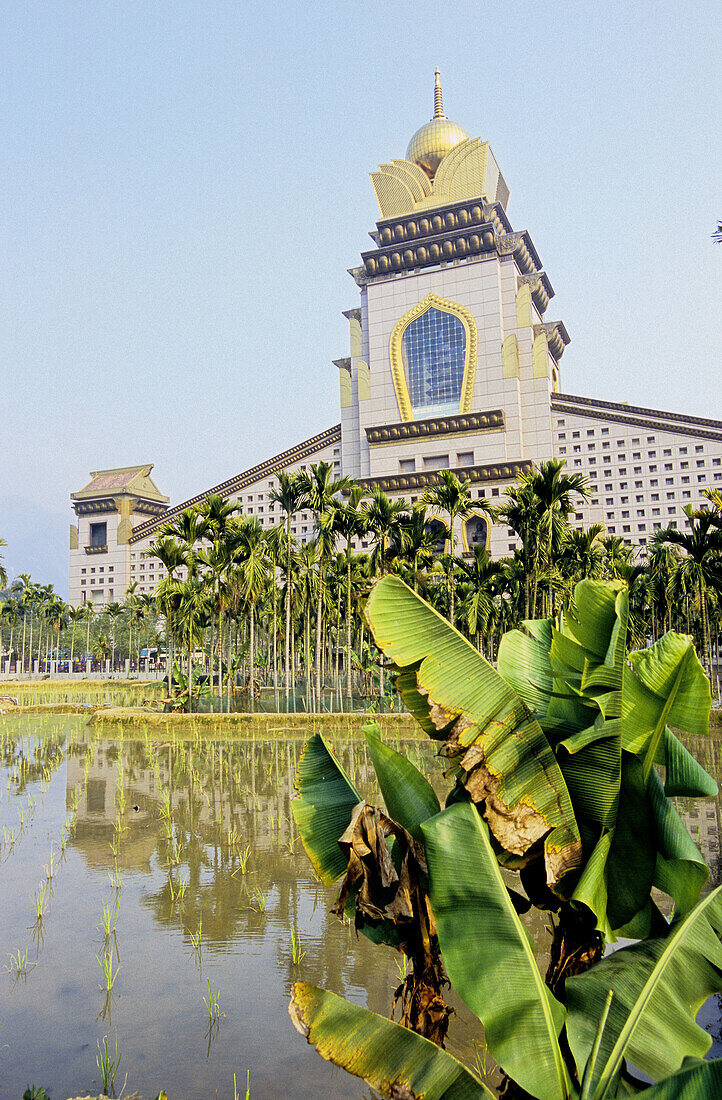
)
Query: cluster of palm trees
[
  {"x": 255, "y": 604},
  {"x": 38, "y": 627},
  {"x": 241, "y": 604}
]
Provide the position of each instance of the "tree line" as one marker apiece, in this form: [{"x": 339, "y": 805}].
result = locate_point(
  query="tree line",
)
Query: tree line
[{"x": 245, "y": 605}]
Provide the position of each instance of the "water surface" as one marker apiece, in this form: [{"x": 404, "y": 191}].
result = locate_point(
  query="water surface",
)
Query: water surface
[{"x": 135, "y": 821}]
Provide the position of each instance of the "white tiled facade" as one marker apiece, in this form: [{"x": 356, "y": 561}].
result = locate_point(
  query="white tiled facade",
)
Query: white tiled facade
[{"x": 643, "y": 465}]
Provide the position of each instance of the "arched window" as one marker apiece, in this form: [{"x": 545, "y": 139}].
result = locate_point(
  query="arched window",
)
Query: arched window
[
  {"x": 433, "y": 351},
  {"x": 433, "y": 359},
  {"x": 476, "y": 532}
]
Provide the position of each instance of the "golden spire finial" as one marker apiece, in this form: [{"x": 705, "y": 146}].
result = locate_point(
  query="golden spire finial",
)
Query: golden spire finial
[{"x": 438, "y": 102}]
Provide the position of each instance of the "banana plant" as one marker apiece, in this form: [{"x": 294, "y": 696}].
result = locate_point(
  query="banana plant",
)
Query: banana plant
[
  {"x": 601, "y": 721},
  {"x": 553, "y": 756},
  {"x": 638, "y": 1004}
]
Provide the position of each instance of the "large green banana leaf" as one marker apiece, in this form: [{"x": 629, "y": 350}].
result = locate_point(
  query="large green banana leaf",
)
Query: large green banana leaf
[
  {"x": 323, "y": 808},
  {"x": 659, "y": 985},
  {"x": 504, "y": 758},
  {"x": 408, "y": 795},
  {"x": 592, "y": 706},
  {"x": 697, "y": 1081},
  {"x": 665, "y": 686},
  {"x": 571, "y": 676},
  {"x": 397, "y": 1062},
  {"x": 680, "y": 870},
  {"x": 488, "y": 953}
]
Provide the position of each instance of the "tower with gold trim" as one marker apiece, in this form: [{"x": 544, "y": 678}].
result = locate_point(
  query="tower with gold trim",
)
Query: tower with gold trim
[{"x": 451, "y": 362}]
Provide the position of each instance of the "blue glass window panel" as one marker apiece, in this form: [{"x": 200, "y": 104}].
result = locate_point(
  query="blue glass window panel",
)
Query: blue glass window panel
[{"x": 433, "y": 352}]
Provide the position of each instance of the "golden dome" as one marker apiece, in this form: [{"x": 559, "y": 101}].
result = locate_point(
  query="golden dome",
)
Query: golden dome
[{"x": 436, "y": 138}]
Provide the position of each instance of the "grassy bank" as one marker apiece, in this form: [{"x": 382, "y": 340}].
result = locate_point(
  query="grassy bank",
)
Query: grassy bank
[
  {"x": 78, "y": 687},
  {"x": 135, "y": 717}
]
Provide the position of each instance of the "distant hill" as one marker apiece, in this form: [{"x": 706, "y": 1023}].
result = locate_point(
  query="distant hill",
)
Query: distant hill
[{"x": 37, "y": 542}]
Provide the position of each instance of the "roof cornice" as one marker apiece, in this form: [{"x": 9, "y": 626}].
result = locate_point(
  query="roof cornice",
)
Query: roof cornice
[
  {"x": 637, "y": 414},
  {"x": 248, "y": 477}
]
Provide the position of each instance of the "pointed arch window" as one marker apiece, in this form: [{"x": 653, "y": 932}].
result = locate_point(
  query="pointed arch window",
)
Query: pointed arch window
[{"x": 433, "y": 359}]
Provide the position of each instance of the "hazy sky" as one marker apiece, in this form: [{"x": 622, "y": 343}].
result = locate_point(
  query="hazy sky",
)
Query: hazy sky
[{"x": 185, "y": 185}]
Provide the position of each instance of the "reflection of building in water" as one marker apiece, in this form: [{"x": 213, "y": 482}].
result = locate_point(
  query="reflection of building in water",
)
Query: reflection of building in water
[
  {"x": 702, "y": 821},
  {"x": 212, "y": 787},
  {"x": 702, "y": 816}
]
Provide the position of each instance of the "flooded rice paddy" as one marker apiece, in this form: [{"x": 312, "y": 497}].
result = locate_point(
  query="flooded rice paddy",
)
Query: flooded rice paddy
[{"x": 171, "y": 871}]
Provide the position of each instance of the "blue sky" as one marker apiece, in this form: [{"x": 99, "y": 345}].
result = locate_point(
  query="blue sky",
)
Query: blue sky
[{"x": 186, "y": 184}]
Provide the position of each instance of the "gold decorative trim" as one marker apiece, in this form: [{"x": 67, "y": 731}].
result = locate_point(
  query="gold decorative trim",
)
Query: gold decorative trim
[
  {"x": 464, "y": 537},
  {"x": 510, "y": 357},
  {"x": 432, "y": 301},
  {"x": 494, "y": 471},
  {"x": 468, "y": 424}
]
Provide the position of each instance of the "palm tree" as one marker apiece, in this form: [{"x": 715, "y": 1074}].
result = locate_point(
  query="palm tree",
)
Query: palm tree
[
  {"x": 582, "y": 554},
  {"x": 11, "y": 614},
  {"x": 385, "y": 519},
  {"x": 292, "y": 495},
  {"x": 56, "y": 615},
  {"x": 131, "y": 606},
  {"x": 88, "y": 611},
  {"x": 481, "y": 579},
  {"x": 190, "y": 528},
  {"x": 252, "y": 573},
  {"x": 3, "y": 571},
  {"x": 349, "y": 523},
  {"x": 171, "y": 556},
  {"x": 702, "y": 563},
  {"x": 75, "y": 614},
  {"x": 617, "y": 553},
  {"x": 24, "y": 579},
  {"x": 322, "y": 487},
  {"x": 276, "y": 547},
  {"x": 520, "y": 513},
  {"x": 217, "y": 512},
  {"x": 417, "y": 541},
  {"x": 191, "y": 608},
  {"x": 451, "y": 497},
  {"x": 555, "y": 492}
]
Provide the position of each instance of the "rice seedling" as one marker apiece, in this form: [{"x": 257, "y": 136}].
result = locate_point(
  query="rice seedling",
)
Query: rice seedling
[
  {"x": 165, "y": 804},
  {"x": 211, "y": 1003},
  {"x": 236, "y": 1093},
  {"x": 297, "y": 955},
  {"x": 114, "y": 845},
  {"x": 39, "y": 899},
  {"x": 109, "y": 918},
  {"x": 108, "y": 1063},
  {"x": 242, "y": 861},
  {"x": 49, "y": 867},
  {"x": 19, "y": 963},
  {"x": 174, "y": 855},
  {"x": 258, "y": 902},
  {"x": 116, "y": 879},
  {"x": 482, "y": 1058},
  {"x": 105, "y": 961},
  {"x": 196, "y": 938}
]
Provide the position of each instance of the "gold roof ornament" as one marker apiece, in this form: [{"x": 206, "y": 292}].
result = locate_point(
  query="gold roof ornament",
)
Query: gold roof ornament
[{"x": 436, "y": 138}]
